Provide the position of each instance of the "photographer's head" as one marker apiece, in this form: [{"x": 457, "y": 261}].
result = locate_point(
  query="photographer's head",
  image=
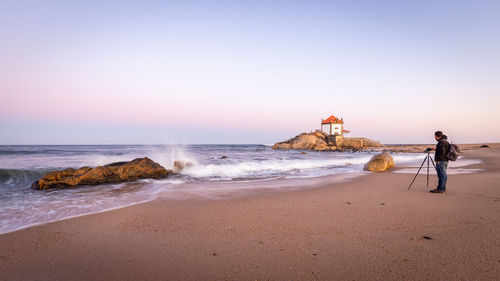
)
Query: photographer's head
[{"x": 438, "y": 135}]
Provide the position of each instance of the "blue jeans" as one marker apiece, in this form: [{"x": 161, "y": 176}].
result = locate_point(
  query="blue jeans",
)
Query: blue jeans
[{"x": 441, "y": 172}]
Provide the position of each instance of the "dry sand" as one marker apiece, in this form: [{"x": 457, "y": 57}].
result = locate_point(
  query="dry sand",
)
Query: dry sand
[{"x": 369, "y": 229}]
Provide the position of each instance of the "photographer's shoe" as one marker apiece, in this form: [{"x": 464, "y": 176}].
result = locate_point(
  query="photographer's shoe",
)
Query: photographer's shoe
[{"x": 436, "y": 191}]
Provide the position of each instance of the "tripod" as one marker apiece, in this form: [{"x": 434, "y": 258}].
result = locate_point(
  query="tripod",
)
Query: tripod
[{"x": 427, "y": 158}]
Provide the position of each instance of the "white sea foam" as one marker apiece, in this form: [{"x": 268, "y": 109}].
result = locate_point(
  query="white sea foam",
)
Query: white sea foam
[
  {"x": 416, "y": 160},
  {"x": 167, "y": 157},
  {"x": 408, "y": 158},
  {"x": 53, "y": 205},
  {"x": 454, "y": 167},
  {"x": 268, "y": 167},
  {"x": 463, "y": 162}
]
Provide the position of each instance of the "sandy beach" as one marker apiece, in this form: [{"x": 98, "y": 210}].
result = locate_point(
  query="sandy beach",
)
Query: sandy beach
[
  {"x": 372, "y": 228},
  {"x": 249, "y": 140}
]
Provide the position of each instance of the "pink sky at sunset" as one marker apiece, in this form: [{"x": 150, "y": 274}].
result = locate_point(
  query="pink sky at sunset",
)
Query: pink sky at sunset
[{"x": 265, "y": 74}]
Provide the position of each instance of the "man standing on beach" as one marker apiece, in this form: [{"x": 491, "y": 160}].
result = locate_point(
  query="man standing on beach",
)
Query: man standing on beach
[{"x": 441, "y": 159}]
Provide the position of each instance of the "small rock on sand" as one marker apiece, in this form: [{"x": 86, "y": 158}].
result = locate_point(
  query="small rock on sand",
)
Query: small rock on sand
[{"x": 380, "y": 162}]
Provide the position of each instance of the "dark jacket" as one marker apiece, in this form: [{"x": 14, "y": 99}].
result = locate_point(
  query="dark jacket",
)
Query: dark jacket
[{"x": 442, "y": 148}]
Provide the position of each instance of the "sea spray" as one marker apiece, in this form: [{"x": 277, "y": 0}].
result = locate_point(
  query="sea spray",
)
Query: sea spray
[{"x": 167, "y": 156}]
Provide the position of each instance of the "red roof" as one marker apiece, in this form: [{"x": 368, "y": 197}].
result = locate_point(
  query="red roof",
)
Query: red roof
[
  {"x": 332, "y": 119},
  {"x": 346, "y": 131}
]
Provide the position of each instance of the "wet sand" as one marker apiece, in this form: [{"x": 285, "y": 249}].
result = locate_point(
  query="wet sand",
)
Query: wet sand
[{"x": 372, "y": 228}]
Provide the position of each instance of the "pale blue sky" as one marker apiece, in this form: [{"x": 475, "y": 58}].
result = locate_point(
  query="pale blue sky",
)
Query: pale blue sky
[{"x": 247, "y": 71}]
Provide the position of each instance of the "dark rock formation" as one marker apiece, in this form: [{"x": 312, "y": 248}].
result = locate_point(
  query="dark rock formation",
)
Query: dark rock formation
[{"x": 140, "y": 168}]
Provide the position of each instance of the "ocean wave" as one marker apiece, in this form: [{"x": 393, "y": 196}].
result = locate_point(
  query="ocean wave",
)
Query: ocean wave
[
  {"x": 19, "y": 177},
  {"x": 269, "y": 167}
]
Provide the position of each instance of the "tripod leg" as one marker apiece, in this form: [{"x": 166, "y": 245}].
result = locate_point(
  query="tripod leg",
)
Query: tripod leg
[
  {"x": 428, "y": 169},
  {"x": 433, "y": 163},
  {"x": 417, "y": 173}
]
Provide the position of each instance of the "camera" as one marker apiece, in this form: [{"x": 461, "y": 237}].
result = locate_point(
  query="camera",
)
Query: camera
[{"x": 428, "y": 149}]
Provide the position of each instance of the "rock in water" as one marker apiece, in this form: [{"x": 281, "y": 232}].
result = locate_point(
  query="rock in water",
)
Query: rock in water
[
  {"x": 352, "y": 143},
  {"x": 320, "y": 145},
  {"x": 140, "y": 168},
  {"x": 320, "y": 134},
  {"x": 338, "y": 141},
  {"x": 304, "y": 141},
  {"x": 282, "y": 145},
  {"x": 180, "y": 165},
  {"x": 379, "y": 163},
  {"x": 320, "y": 141}
]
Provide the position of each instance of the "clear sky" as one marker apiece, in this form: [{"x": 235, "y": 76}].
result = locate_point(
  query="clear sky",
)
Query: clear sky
[{"x": 154, "y": 72}]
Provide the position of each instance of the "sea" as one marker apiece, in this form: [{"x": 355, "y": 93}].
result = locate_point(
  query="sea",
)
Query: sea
[{"x": 216, "y": 170}]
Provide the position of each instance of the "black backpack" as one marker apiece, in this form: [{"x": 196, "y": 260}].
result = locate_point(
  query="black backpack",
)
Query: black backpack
[{"x": 453, "y": 151}]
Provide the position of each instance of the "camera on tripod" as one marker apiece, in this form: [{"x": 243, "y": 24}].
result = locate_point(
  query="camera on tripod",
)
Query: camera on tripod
[{"x": 427, "y": 159}]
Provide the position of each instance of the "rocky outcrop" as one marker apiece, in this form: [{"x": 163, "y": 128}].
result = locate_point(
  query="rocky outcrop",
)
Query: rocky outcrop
[
  {"x": 320, "y": 141},
  {"x": 338, "y": 141},
  {"x": 380, "y": 162},
  {"x": 140, "y": 168},
  {"x": 315, "y": 141},
  {"x": 282, "y": 145},
  {"x": 320, "y": 135},
  {"x": 352, "y": 143},
  {"x": 304, "y": 141},
  {"x": 371, "y": 143},
  {"x": 321, "y": 146},
  {"x": 359, "y": 143}
]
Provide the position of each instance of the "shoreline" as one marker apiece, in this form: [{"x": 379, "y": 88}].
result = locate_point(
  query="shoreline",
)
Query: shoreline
[
  {"x": 248, "y": 189},
  {"x": 265, "y": 187},
  {"x": 338, "y": 230},
  {"x": 225, "y": 190}
]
